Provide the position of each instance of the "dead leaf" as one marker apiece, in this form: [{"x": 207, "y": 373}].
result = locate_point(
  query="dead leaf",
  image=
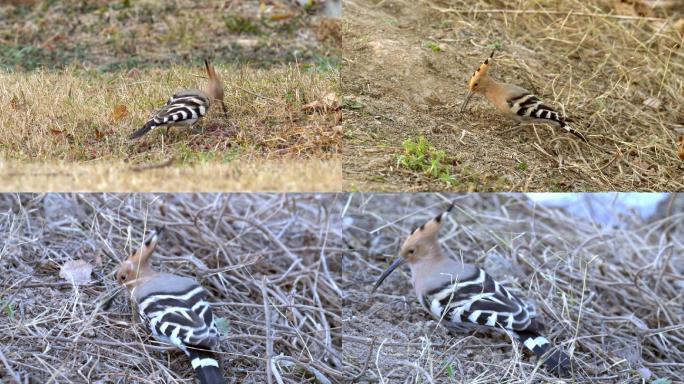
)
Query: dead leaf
[
  {"x": 76, "y": 271},
  {"x": 329, "y": 103},
  {"x": 632, "y": 8},
  {"x": 98, "y": 258},
  {"x": 679, "y": 26},
  {"x": 119, "y": 113},
  {"x": 653, "y": 103},
  {"x": 48, "y": 44},
  {"x": 134, "y": 72},
  {"x": 681, "y": 147},
  {"x": 14, "y": 103},
  {"x": 282, "y": 16}
]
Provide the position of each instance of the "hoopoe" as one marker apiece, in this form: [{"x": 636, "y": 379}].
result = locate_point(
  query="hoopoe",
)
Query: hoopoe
[
  {"x": 187, "y": 107},
  {"x": 513, "y": 101},
  {"x": 174, "y": 308},
  {"x": 463, "y": 295}
]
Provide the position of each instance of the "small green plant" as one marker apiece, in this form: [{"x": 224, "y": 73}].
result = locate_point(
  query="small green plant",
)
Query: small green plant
[
  {"x": 238, "y": 24},
  {"x": 496, "y": 45},
  {"x": 522, "y": 166},
  {"x": 421, "y": 156},
  {"x": 450, "y": 371},
  {"x": 8, "y": 309},
  {"x": 351, "y": 103},
  {"x": 433, "y": 46}
]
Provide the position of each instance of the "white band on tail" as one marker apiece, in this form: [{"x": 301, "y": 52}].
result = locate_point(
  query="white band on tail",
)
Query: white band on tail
[
  {"x": 536, "y": 342},
  {"x": 204, "y": 362}
]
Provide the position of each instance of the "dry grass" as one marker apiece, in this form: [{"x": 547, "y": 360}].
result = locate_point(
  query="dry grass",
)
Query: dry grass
[
  {"x": 406, "y": 70},
  {"x": 274, "y": 176},
  {"x": 610, "y": 296},
  {"x": 75, "y": 90},
  {"x": 72, "y": 115},
  {"x": 256, "y": 254}
]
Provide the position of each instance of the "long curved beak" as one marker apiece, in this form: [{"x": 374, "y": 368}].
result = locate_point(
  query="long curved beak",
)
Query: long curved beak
[
  {"x": 465, "y": 103},
  {"x": 399, "y": 261}
]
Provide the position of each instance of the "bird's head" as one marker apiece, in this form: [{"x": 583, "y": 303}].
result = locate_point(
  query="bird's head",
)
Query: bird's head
[
  {"x": 215, "y": 88},
  {"x": 138, "y": 265},
  {"x": 421, "y": 244},
  {"x": 479, "y": 81}
]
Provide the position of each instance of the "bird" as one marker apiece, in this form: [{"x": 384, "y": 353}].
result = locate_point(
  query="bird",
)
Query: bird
[
  {"x": 186, "y": 107},
  {"x": 464, "y": 296},
  {"x": 174, "y": 309},
  {"x": 513, "y": 101}
]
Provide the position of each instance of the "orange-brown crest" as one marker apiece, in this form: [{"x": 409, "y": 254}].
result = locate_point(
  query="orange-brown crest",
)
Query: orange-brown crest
[
  {"x": 215, "y": 86},
  {"x": 480, "y": 72},
  {"x": 138, "y": 264},
  {"x": 423, "y": 237}
]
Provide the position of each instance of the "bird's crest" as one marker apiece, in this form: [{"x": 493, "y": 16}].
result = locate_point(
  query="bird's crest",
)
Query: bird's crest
[
  {"x": 138, "y": 263},
  {"x": 215, "y": 86},
  {"x": 481, "y": 71},
  {"x": 424, "y": 234}
]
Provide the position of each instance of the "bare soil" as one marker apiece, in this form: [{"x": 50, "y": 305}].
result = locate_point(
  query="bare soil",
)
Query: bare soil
[{"x": 406, "y": 65}]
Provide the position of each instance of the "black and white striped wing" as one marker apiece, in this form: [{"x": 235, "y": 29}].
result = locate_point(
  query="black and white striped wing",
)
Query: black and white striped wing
[
  {"x": 528, "y": 107},
  {"x": 481, "y": 301},
  {"x": 183, "y": 108},
  {"x": 183, "y": 319}
]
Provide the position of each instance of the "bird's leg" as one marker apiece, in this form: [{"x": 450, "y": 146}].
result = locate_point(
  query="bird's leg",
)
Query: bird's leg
[
  {"x": 513, "y": 128},
  {"x": 198, "y": 128}
]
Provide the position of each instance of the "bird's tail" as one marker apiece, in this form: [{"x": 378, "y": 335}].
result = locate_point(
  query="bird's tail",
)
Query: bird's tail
[
  {"x": 150, "y": 125},
  {"x": 575, "y": 132},
  {"x": 556, "y": 361},
  {"x": 206, "y": 366}
]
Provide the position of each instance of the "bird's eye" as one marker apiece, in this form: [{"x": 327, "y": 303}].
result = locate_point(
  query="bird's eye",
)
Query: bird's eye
[
  {"x": 476, "y": 84},
  {"x": 411, "y": 251}
]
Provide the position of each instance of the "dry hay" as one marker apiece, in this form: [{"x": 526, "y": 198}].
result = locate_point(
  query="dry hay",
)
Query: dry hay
[
  {"x": 256, "y": 254},
  {"x": 618, "y": 76},
  {"x": 610, "y": 296}
]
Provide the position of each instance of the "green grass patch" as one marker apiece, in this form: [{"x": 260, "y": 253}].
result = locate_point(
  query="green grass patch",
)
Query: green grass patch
[
  {"x": 8, "y": 309},
  {"x": 451, "y": 372},
  {"x": 522, "y": 166},
  {"x": 128, "y": 34},
  {"x": 431, "y": 45},
  {"x": 241, "y": 25},
  {"x": 496, "y": 45},
  {"x": 421, "y": 156},
  {"x": 351, "y": 103}
]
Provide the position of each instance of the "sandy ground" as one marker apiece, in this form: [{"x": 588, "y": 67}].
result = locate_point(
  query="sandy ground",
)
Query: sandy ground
[{"x": 274, "y": 176}]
